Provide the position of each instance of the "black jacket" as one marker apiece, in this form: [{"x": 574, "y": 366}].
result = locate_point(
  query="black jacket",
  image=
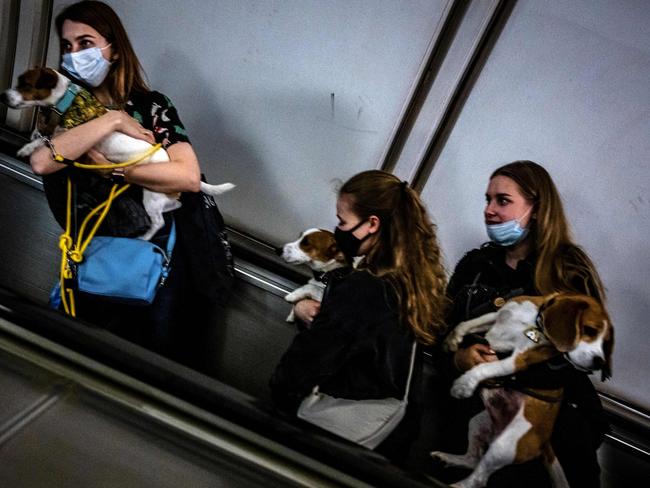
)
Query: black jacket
[
  {"x": 356, "y": 348},
  {"x": 481, "y": 276}
]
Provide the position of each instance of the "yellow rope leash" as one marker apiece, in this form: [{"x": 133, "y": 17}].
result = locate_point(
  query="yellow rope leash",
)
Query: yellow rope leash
[
  {"x": 71, "y": 251},
  {"x": 59, "y": 158}
]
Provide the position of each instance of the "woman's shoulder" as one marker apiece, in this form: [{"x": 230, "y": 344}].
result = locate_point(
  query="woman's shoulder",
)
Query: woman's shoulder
[
  {"x": 574, "y": 259},
  {"x": 149, "y": 99},
  {"x": 486, "y": 253},
  {"x": 155, "y": 110},
  {"x": 570, "y": 251},
  {"x": 361, "y": 286},
  {"x": 362, "y": 280}
]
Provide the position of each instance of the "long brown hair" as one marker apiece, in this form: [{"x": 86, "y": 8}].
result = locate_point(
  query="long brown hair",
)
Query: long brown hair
[
  {"x": 562, "y": 265},
  {"x": 126, "y": 75},
  {"x": 407, "y": 250}
]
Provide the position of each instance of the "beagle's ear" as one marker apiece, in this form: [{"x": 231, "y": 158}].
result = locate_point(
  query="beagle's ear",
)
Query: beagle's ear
[
  {"x": 608, "y": 348},
  {"x": 562, "y": 322}
]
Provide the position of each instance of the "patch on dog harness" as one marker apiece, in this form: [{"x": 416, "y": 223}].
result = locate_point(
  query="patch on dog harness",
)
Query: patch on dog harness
[
  {"x": 533, "y": 333},
  {"x": 85, "y": 107}
]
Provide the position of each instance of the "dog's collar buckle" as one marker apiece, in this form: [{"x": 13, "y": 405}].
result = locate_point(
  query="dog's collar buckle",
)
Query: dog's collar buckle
[
  {"x": 319, "y": 275},
  {"x": 534, "y": 334},
  {"x": 66, "y": 100}
]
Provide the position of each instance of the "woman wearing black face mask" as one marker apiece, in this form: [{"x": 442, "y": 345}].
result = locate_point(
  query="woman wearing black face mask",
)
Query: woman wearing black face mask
[{"x": 360, "y": 342}]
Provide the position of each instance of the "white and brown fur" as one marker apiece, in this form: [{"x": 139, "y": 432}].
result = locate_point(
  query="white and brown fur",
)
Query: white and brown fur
[
  {"x": 317, "y": 249},
  {"x": 44, "y": 87},
  {"x": 516, "y": 426}
]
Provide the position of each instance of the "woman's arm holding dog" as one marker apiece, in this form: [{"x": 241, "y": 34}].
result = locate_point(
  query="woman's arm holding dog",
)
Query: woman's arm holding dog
[
  {"x": 181, "y": 173},
  {"x": 75, "y": 142}
]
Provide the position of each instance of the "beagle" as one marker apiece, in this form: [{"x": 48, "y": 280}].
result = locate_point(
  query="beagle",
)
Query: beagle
[
  {"x": 516, "y": 426},
  {"x": 317, "y": 249},
  {"x": 45, "y": 87}
]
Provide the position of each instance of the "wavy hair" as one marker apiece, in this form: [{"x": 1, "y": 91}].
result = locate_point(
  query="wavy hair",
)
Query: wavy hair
[
  {"x": 126, "y": 74},
  {"x": 406, "y": 251},
  {"x": 562, "y": 265}
]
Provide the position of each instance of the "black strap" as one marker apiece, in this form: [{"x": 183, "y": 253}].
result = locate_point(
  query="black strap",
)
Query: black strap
[{"x": 510, "y": 384}]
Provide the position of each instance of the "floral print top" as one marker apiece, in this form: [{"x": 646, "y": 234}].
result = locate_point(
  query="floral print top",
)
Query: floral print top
[{"x": 157, "y": 113}]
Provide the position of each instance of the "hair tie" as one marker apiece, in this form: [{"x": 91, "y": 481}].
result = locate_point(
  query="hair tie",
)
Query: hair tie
[{"x": 403, "y": 185}]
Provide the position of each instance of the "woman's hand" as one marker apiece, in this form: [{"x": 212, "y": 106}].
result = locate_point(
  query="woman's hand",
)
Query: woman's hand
[
  {"x": 128, "y": 125},
  {"x": 468, "y": 357},
  {"x": 306, "y": 310}
]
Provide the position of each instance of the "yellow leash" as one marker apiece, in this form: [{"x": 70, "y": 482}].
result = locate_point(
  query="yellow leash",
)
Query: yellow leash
[
  {"x": 71, "y": 251},
  {"x": 59, "y": 158}
]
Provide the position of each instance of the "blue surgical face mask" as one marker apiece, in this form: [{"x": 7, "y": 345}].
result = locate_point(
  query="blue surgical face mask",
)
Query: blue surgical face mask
[
  {"x": 88, "y": 65},
  {"x": 508, "y": 233}
]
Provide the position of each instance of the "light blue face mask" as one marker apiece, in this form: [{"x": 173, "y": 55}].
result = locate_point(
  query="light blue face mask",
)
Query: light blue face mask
[
  {"x": 507, "y": 233},
  {"x": 88, "y": 65}
]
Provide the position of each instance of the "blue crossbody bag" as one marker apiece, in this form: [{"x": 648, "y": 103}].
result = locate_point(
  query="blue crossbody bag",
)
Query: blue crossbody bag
[{"x": 123, "y": 269}]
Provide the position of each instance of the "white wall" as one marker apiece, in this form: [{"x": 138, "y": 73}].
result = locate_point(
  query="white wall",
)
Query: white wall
[{"x": 568, "y": 86}]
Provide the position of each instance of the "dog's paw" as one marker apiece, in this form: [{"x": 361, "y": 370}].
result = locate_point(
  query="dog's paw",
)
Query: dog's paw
[
  {"x": 29, "y": 148},
  {"x": 449, "y": 459},
  {"x": 440, "y": 456},
  {"x": 293, "y": 297},
  {"x": 464, "y": 386},
  {"x": 453, "y": 340}
]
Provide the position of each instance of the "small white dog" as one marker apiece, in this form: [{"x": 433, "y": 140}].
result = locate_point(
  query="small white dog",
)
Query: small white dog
[
  {"x": 45, "y": 87},
  {"x": 317, "y": 249}
]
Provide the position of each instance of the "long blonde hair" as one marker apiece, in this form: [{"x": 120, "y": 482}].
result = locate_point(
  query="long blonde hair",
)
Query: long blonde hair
[
  {"x": 406, "y": 252},
  {"x": 561, "y": 263},
  {"x": 126, "y": 75}
]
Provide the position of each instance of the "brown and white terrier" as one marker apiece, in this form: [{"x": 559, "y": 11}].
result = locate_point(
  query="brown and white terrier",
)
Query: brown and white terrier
[
  {"x": 516, "y": 425},
  {"x": 45, "y": 87},
  {"x": 317, "y": 249}
]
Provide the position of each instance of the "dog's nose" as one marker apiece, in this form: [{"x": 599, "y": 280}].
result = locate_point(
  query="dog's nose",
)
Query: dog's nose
[
  {"x": 3, "y": 97},
  {"x": 279, "y": 250},
  {"x": 597, "y": 363}
]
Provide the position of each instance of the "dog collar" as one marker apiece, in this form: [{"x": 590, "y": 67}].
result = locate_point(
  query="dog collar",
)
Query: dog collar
[
  {"x": 318, "y": 275},
  {"x": 536, "y": 331},
  {"x": 66, "y": 100}
]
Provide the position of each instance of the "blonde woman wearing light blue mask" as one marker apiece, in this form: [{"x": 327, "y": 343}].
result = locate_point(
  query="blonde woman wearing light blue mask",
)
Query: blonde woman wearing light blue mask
[{"x": 531, "y": 252}]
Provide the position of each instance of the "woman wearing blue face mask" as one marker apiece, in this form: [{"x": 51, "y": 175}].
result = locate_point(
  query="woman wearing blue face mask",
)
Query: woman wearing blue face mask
[
  {"x": 530, "y": 252},
  {"x": 97, "y": 54}
]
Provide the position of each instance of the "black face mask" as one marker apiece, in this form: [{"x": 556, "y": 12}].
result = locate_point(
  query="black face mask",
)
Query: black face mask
[{"x": 347, "y": 242}]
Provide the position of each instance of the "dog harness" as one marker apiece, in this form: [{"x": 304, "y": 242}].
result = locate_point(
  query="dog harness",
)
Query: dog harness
[
  {"x": 82, "y": 107},
  {"x": 68, "y": 98}
]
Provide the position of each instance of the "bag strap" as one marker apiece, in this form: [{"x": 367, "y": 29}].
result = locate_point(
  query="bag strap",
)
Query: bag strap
[
  {"x": 171, "y": 240},
  {"x": 408, "y": 380}
]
